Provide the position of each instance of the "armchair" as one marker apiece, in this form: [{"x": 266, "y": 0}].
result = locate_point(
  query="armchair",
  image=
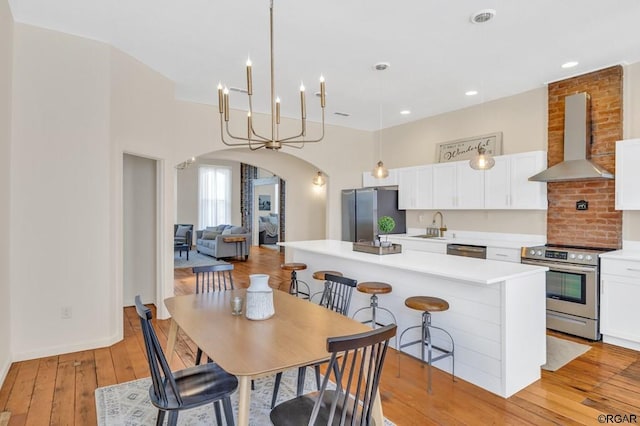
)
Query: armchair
[{"x": 183, "y": 234}]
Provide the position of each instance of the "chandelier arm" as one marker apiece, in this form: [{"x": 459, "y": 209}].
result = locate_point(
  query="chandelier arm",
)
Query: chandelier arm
[
  {"x": 239, "y": 138},
  {"x": 259, "y": 136},
  {"x": 222, "y": 132},
  {"x": 311, "y": 140}
]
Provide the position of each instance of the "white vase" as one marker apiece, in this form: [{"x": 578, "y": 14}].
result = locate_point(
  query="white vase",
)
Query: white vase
[{"x": 259, "y": 298}]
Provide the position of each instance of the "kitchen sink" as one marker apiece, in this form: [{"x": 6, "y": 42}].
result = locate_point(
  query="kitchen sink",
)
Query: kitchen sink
[{"x": 431, "y": 237}]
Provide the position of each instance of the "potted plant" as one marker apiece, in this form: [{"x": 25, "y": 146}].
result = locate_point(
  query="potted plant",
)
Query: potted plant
[{"x": 385, "y": 226}]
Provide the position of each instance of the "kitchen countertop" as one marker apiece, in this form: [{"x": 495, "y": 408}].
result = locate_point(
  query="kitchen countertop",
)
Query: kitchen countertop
[
  {"x": 622, "y": 255},
  {"x": 468, "y": 270}
]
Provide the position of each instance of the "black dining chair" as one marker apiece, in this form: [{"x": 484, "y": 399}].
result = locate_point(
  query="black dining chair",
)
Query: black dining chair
[
  {"x": 336, "y": 296},
  {"x": 356, "y": 363},
  {"x": 212, "y": 278},
  {"x": 187, "y": 388}
]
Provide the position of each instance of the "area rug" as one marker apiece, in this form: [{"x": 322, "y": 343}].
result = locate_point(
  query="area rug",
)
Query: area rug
[
  {"x": 561, "y": 352},
  {"x": 4, "y": 418},
  {"x": 195, "y": 259},
  {"x": 128, "y": 404}
]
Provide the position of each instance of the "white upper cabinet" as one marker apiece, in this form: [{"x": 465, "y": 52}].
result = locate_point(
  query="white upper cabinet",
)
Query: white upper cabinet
[
  {"x": 369, "y": 180},
  {"x": 507, "y": 184},
  {"x": 407, "y": 188},
  {"x": 444, "y": 186},
  {"x": 455, "y": 185},
  {"x": 415, "y": 188},
  {"x": 627, "y": 175},
  {"x": 469, "y": 187}
]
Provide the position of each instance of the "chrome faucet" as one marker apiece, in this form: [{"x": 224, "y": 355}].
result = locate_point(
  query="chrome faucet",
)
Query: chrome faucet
[{"x": 442, "y": 227}]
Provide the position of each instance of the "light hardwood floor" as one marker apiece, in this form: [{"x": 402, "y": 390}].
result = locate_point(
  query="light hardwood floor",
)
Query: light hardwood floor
[{"x": 59, "y": 390}]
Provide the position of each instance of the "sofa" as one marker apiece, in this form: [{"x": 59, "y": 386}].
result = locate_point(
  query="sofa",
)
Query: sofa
[
  {"x": 210, "y": 241},
  {"x": 268, "y": 229}
]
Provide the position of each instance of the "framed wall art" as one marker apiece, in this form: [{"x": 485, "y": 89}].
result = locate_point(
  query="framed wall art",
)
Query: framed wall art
[
  {"x": 466, "y": 148},
  {"x": 264, "y": 202}
]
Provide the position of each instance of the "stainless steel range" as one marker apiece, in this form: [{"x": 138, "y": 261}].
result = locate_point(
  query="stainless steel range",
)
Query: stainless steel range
[{"x": 573, "y": 293}]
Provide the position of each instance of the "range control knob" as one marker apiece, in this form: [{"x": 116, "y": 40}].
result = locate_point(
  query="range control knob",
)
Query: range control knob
[
  {"x": 580, "y": 257},
  {"x": 589, "y": 257},
  {"x": 532, "y": 252},
  {"x": 539, "y": 252},
  {"x": 572, "y": 256}
]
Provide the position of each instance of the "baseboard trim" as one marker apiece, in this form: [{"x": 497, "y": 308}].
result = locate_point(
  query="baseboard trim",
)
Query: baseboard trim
[
  {"x": 4, "y": 371},
  {"x": 65, "y": 349}
]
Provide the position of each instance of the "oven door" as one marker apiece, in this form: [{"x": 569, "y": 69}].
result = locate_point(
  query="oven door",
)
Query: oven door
[{"x": 571, "y": 289}]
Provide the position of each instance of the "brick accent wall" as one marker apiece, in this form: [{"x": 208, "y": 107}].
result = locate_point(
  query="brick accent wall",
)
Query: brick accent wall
[{"x": 601, "y": 224}]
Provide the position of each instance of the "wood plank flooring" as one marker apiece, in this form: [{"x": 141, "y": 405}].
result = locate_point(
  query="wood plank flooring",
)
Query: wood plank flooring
[{"x": 58, "y": 390}]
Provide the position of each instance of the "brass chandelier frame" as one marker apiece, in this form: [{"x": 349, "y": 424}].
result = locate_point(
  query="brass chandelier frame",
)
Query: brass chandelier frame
[{"x": 254, "y": 140}]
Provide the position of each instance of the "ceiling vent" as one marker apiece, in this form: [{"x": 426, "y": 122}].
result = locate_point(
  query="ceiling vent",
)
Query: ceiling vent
[{"x": 482, "y": 16}]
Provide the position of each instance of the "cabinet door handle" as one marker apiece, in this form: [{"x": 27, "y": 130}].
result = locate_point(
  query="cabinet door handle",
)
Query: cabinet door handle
[
  {"x": 601, "y": 286},
  {"x": 633, "y": 269},
  {"x": 501, "y": 255}
]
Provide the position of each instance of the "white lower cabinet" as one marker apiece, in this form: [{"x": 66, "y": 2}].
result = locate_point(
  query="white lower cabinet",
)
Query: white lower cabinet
[
  {"x": 619, "y": 296},
  {"x": 503, "y": 254}
]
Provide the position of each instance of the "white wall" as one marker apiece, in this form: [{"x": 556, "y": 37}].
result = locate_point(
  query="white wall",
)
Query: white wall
[
  {"x": 6, "y": 64},
  {"x": 522, "y": 119},
  {"x": 60, "y": 186},
  {"x": 140, "y": 226},
  {"x": 631, "y": 123}
]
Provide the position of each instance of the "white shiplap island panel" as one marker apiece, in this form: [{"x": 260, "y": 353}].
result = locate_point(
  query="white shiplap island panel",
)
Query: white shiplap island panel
[{"x": 496, "y": 314}]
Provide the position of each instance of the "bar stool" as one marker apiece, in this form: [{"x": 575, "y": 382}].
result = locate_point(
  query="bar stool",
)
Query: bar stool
[
  {"x": 428, "y": 304},
  {"x": 374, "y": 288},
  {"x": 295, "y": 282},
  {"x": 321, "y": 276}
]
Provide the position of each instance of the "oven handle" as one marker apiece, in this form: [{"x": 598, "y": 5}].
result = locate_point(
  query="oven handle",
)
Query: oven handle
[{"x": 561, "y": 268}]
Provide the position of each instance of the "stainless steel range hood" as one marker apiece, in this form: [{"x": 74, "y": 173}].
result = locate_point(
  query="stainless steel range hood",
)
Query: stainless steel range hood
[{"x": 577, "y": 146}]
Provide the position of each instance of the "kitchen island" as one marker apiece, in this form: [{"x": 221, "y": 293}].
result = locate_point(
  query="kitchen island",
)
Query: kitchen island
[{"x": 496, "y": 314}]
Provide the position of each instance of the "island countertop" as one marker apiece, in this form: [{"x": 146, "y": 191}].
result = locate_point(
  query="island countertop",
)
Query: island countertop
[{"x": 469, "y": 270}]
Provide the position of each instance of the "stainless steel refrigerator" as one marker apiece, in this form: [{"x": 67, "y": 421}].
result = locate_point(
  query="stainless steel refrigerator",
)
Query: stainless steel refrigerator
[{"x": 361, "y": 209}]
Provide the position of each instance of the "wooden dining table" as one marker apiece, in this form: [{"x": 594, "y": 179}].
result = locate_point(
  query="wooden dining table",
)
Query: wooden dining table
[{"x": 295, "y": 336}]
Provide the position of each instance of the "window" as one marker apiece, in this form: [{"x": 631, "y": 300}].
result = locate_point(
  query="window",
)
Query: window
[{"x": 214, "y": 201}]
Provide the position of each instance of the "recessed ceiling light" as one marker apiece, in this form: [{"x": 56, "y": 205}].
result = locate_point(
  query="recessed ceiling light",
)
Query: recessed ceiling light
[
  {"x": 471, "y": 92},
  {"x": 482, "y": 16},
  {"x": 381, "y": 66},
  {"x": 405, "y": 112},
  {"x": 569, "y": 64}
]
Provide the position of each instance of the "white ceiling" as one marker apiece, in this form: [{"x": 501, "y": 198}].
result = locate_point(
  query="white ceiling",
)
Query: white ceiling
[{"x": 436, "y": 54}]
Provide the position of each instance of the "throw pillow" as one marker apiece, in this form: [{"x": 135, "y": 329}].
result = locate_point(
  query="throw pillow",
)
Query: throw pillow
[
  {"x": 264, "y": 218},
  {"x": 226, "y": 231},
  {"x": 273, "y": 219},
  {"x": 182, "y": 230},
  {"x": 237, "y": 230},
  {"x": 210, "y": 235}
]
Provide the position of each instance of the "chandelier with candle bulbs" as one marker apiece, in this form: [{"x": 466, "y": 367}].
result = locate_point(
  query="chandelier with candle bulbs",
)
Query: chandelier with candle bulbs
[{"x": 253, "y": 139}]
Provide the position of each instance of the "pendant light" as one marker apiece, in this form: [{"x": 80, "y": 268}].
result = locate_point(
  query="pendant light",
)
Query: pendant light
[
  {"x": 319, "y": 180},
  {"x": 482, "y": 161},
  {"x": 380, "y": 171}
]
